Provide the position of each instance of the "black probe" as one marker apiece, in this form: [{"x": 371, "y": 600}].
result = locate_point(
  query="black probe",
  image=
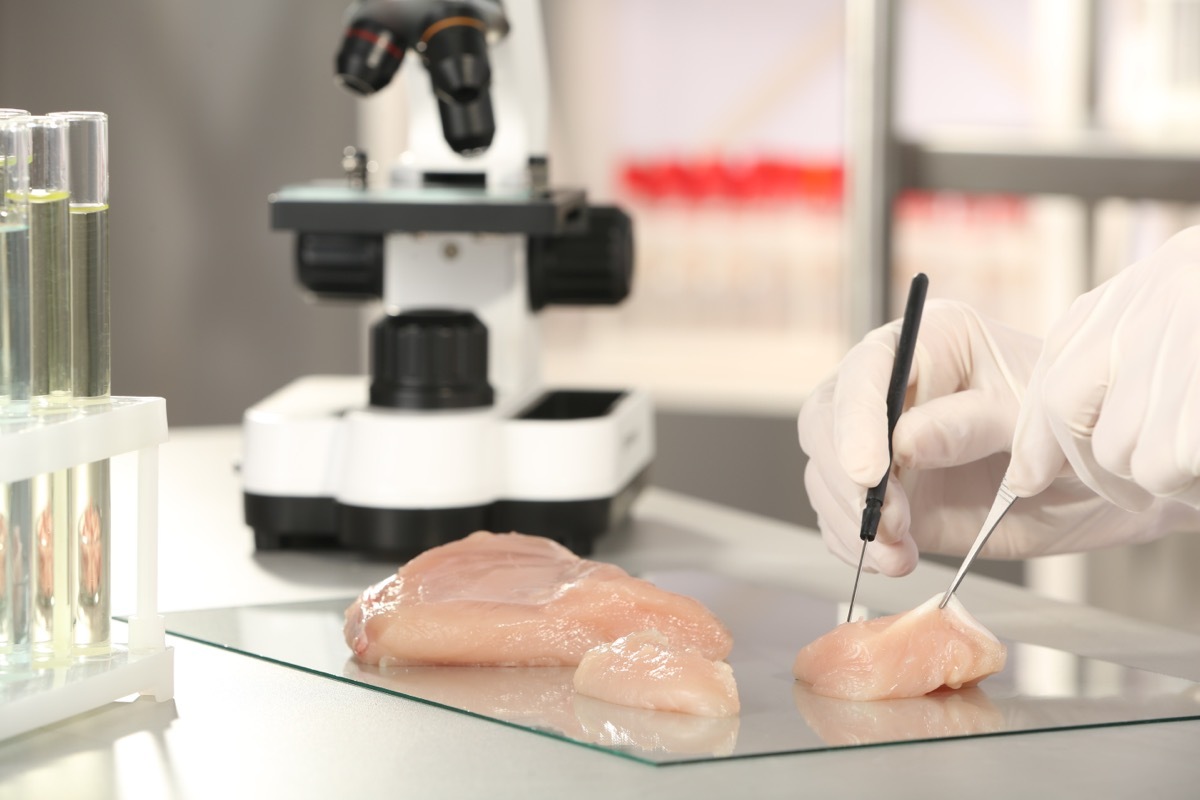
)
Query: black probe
[{"x": 897, "y": 389}]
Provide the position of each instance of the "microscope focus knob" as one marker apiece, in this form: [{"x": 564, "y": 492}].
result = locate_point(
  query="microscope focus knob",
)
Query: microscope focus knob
[
  {"x": 590, "y": 268},
  {"x": 431, "y": 358},
  {"x": 343, "y": 266}
]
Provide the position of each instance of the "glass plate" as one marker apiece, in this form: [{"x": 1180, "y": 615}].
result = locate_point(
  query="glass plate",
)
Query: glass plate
[{"x": 1040, "y": 689}]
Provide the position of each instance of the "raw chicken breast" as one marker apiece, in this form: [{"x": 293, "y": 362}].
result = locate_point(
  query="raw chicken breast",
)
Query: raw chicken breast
[
  {"x": 646, "y": 670},
  {"x": 905, "y": 655},
  {"x": 516, "y": 600}
]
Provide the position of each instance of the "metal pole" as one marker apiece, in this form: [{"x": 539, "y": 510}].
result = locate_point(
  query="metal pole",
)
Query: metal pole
[
  {"x": 871, "y": 173},
  {"x": 1091, "y": 122}
]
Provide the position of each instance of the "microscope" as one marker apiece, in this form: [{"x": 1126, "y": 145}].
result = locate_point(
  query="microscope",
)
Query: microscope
[{"x": 452, "y": 431}]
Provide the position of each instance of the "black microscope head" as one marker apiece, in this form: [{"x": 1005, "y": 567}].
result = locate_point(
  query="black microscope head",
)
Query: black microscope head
[{"x": 451, "y": 39}]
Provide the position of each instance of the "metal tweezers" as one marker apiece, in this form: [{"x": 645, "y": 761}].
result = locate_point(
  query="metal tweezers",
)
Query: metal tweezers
[{"x": 1004, "y": 500}]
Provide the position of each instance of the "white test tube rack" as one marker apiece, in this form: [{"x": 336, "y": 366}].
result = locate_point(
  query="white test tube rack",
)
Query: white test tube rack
[{"x": 37, "y": 695}]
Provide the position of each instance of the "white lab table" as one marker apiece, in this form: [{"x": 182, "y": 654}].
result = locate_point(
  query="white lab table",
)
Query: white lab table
[{"x": 243, "y": 727}]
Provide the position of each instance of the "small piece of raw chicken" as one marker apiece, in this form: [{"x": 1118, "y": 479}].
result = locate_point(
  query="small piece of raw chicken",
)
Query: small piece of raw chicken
[
  {"x": 905, "y": 655},
  {"x": 645, "y": 670},
  {"x": 516, "y": 600}
]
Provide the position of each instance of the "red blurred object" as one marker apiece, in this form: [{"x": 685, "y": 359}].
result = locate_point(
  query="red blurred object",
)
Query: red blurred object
[{"x": 818, "y": 182}]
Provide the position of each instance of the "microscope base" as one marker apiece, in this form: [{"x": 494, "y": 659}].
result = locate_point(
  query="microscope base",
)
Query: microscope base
[
  {"x": 302, "y": 523},
  {"x": 321, "y": 471}
]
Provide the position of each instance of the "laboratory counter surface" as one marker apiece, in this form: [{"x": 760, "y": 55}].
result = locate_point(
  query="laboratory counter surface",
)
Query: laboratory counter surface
[{"x": 245, "y": 727}]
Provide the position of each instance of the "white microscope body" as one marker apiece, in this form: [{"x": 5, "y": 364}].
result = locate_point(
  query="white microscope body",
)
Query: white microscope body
[{"x": 453, "y": 432}]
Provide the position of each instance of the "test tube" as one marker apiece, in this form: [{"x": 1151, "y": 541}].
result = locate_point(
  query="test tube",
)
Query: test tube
[
  {"x": 50, "y": 371},
  {"x": 90, "y": 511},
  {"x": 16, "y": 509},
  {"x": 49, "y": 194},
  {"x": 14, "y": 263},
  {"x": 91, "y": 362}
]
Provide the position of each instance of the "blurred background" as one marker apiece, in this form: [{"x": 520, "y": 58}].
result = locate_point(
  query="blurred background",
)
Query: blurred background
[{"x": 719, "y": 126}]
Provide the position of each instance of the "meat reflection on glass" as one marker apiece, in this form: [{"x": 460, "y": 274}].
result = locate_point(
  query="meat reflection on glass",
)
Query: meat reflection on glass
[
  {"x": 45, "y": 558},
  {"x": 544, "y": 699},
  {"x": 537, "y": 697},
  {"x": 7, "y": 634},
  {"x": 943, "y": 714},
  {"x": 615, "y": 726},
  {"x": 3, "y": 554},
  {"x": 91, "y": 556}
]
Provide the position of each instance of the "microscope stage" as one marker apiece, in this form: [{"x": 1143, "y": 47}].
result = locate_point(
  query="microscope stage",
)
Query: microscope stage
[{"x": 336, "y": 208}]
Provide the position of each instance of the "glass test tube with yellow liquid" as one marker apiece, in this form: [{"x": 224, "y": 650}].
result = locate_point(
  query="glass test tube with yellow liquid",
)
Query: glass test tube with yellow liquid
[
  {"x": 16, "y": 509},
  {"x": 50, "y": 372},
  {"x": 91, "y": 371}
]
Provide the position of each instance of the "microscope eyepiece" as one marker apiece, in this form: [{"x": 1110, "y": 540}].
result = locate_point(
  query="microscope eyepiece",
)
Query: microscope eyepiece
[{"x": 368, "y": 58}]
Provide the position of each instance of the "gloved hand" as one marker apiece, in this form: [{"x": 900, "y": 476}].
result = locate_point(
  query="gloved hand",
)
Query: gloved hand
[
  {"x": 1115, "y": 395},
  {"x": 951, "y": 450}
]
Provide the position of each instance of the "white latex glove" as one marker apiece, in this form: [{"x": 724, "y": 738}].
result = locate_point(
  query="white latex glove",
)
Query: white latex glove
[
  {"x": 1116, "y": 393},
  {"x": 951, "y": 450}
]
